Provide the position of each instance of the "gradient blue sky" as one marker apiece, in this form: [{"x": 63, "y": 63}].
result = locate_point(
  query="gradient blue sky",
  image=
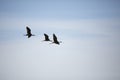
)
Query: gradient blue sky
[
  {"x": 64, "y": 9},
  {"x": 89, "y": 31}
]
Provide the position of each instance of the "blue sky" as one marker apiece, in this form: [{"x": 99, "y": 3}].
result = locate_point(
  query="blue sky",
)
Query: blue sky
[
  {"x": 89, "y": 31},
  {"x": 55, "y": 9}
]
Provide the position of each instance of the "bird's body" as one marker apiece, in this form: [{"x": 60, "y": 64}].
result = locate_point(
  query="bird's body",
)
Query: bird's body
[
  {"x": 29, "y": 34},
  {"x": 46, "y": 37},
  {"x": 55, "y": 39}
]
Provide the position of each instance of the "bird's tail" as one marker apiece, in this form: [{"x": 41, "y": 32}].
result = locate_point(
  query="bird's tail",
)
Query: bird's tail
[{"x": 25, "y": 34}]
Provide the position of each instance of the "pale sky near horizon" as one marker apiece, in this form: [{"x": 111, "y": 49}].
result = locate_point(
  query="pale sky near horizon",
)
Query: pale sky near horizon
[{"x": 89, "y": 31}]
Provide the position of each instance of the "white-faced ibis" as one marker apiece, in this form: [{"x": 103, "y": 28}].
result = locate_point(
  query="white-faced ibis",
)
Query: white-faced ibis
[
  {"x": 46, "y": 37},
  {"x": 55, "y": 40},
  {"x": 29, "y": 34}
]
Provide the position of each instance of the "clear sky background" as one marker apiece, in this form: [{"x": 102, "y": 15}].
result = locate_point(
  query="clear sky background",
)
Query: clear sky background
[{"x": 89, "y": 31}]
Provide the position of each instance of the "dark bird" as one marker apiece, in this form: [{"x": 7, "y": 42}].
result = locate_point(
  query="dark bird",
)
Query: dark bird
[
  {"x": 55, "y": 40},
  {"x": 29, "y": 34},
  {"x": 46, "y": 37}
]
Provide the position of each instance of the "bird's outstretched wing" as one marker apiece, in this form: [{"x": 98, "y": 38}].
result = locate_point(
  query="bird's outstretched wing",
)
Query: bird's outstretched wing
[
  {"x": 55, "y": 38},
  {"x": 28, "y": 30},
  {"x": 46, "y": 37}
]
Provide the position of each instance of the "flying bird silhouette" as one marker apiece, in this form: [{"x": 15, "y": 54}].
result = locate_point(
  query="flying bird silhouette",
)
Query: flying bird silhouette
[
  {"x": 46, "y": 37},
  {"x": 29, "y": 34},
  {"x": 55, "y": 40}
]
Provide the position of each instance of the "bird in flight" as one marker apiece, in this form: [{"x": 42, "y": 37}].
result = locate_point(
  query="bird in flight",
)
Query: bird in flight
[
  {"x": 46, "y": 37},
  {"x": 55, "y": 40},
  {"x": 29, "y": 34}
]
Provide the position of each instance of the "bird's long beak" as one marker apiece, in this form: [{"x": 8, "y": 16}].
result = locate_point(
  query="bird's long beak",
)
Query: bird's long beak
[
  {"x": 33, "y": 35},
  {"x": 60, "y": 41}
]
